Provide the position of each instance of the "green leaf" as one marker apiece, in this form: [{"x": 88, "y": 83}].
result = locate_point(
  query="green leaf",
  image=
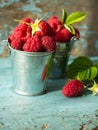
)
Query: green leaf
[
  {"x": 72, "y": 29},
  {"x": 88, "y": 74},
  {"x": 64, "y": 15},
  {"x": 96, "y": 65},
  {"x": 80, "y": 68},
  {"x": 84, "y": 75},
  {"x": 93, "y": 72},
  {"x": 49, "y": 64},
  {"x": 75, "y": 17},
  {"x": 96, "y": 78}
]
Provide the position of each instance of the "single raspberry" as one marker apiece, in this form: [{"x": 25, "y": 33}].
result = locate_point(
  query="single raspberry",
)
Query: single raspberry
[
  {"x": 64, "y": 35},
  {"x": 10, "y": 38},
  {"x": 20, "y": 27},
  {"x": 73, "y": 88},
  {"x": 16, "y": 44},
  {"x": 49, "y": 43},
  {"x": 55, "y": 23},
  {"x": 27, "y": 20},
  {"x": 22, "y": 32},
  {"x": 39, "y": 34},
  {"x": 46, "y": 28},
  {"x": 33, "y": 44}
]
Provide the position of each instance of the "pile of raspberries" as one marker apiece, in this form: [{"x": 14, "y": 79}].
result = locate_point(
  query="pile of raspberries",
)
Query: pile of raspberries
[{"x": 42, "y": 36}]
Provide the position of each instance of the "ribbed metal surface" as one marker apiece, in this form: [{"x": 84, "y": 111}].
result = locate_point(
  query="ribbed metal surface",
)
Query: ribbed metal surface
[
  {"x": 61, "y": 58},
  {"x": 27, "y": 69}
]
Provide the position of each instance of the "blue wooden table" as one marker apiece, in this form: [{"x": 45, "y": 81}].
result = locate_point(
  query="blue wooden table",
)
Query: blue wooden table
[{"x": 51, "y": 111}]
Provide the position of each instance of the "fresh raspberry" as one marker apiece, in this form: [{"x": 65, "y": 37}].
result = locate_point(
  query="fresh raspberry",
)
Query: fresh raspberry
[
  {"x": 39, "y": 33},
  {"x": 16, "y": 44},
  {"x": 73, "y": 88},
  {"x": 46, "y": 28},
  {"x": 20, "y": 27},
  {"x": 33, "y": 44},
  {"x": 55, "y": 23},
  {"x": 49, "y": 43},
  {"x": 28, "y": 20},
  {"x": 22, "y": 31},
  {"x": 10, "y": 38},
  {"x": 64, "y": 35}
]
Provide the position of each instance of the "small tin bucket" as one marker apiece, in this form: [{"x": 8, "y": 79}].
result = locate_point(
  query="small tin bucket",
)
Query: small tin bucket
[
  {"x": 27, "y": 70},
  {"x": 60, "y": 61}
]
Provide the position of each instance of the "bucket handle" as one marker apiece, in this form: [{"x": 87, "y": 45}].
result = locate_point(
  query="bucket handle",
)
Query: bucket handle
[
  {"x": 4, "y": 44},
  {"x": 72, "y": 41}
]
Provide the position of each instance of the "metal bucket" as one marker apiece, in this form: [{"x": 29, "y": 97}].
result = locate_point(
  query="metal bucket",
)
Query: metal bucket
[
  {"x": 27, "y": 70},
  {"x": 61, "y": 58}
]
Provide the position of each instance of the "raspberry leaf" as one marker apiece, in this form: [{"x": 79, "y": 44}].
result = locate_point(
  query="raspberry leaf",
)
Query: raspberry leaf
[
  {"x": 82, "y": 68},
  {"x": 87, "y": 74},
  {"x": 96, "y": 65},
  {"x": 96, "y": 78},
  {"x": 75, "y": 17},
  {"x": 72, "y": 29},
  {"x": 64, "y": 15},
  {"x": 93, "y": 72}
]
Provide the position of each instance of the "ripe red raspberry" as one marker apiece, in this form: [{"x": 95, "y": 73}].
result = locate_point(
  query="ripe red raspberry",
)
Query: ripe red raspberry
[
  {"x": 28, "y": 20},
  {"x": 49, "y": 43},
  {"x": 10, "y": 38},
  {"x": 22, "y": 32},
  {"x": 16, "y": 44},
  {"x": 20, "y": 27},
  {"x": 46, "y": 28},
  {"x": 73, "y": 88},
  {"x": 55, "y": 23},
  {"x": 64, "y": 35},
  {"x": 33, "y": 44},
  {"x": 39, "y": 33}
]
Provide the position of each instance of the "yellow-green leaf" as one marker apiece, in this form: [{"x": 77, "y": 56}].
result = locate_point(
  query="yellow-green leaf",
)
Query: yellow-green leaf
[
  {"x": 64, "y": 15},
  {"x": 93, "y": 72},
  {"x": 72, "y": 29},
  {"x": 75, "y": 17},
  {"x": 82, "y": 68}
]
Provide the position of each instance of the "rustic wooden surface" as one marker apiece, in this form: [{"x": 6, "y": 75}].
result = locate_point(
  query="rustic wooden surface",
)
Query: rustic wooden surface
[{"x": 51, "y": 111}]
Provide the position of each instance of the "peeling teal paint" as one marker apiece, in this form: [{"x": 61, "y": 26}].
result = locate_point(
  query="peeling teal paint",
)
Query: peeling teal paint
[
  {"x": 7, "y": 3},
  {"x": 31, "y": 6}
]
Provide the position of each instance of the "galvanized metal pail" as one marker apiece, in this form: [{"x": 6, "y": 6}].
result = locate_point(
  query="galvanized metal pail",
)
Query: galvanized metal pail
[
  {"x": 27, "y": 70},
  {"x": 61, "y": 58}
]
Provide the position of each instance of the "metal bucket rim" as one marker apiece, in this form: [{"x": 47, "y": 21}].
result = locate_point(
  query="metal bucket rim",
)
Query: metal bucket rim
[{"x": 31, "y": 53}]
